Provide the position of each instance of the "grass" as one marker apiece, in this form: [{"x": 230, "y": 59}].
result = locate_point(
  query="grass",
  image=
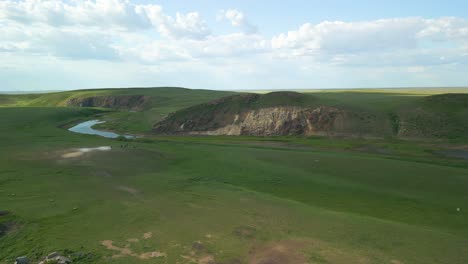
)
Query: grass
[
  {"x": 348, "y": 200},
  {"x": 164, "y": 100}
]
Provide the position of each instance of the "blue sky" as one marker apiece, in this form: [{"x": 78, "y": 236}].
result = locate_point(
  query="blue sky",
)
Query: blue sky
[
  {"x": 60, "y": 45},
  {"x": 277, "y": 16}
]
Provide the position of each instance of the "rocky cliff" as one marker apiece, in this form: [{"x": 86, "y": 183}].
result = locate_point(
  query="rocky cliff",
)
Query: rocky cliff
[
  {"x": 128, "y": 102},
  {"x": 288, "y": 113},
  {"x": 280, "y": 121},
  {"x": 253, "y": 114}
]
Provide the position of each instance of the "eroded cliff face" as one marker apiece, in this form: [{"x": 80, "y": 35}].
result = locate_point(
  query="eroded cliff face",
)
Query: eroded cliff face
[
  {"x": 290, "y": 121},
  {"x": 129, "y": 102},
  {"x": 273, "y": 121}
]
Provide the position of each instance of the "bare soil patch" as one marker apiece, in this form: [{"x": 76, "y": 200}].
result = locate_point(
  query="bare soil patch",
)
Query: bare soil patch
[
  {"x": 200, "y": 254},
  {"x": 205, "y": 259},
  {"x": 246, "y": 232},
  {"x": 282, "y": 252},
  {"x": 126, "y": 251},
  {"x": 147, "y": 235},
  {"x": 133, "y": 240}
]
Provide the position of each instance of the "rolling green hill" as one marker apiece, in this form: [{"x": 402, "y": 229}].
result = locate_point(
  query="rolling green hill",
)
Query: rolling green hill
[
  {"x": 231, "y": 200},
  {"x": 406, "y": 113},
  {"x": 133, "y": 110},
  {"x": 355, "y": 114}
]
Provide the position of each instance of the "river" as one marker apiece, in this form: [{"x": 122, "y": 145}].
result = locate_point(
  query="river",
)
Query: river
[{"x": 87, "y": 128}]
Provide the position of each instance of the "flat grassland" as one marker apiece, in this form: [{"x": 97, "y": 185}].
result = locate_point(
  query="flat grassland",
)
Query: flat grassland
[{"x": 220, "y": 199}]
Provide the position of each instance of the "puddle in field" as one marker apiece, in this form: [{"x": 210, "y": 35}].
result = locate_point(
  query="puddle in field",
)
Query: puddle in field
[
  {"x": 75, "y": 153},
  {"x": 87, "y": 128}
]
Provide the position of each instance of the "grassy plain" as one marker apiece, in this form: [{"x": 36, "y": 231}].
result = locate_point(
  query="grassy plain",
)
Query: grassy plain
[{"x": 225, "y": 199}]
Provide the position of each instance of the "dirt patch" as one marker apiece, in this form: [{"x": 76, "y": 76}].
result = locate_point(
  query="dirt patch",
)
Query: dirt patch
[
  {"x": 147, "y": 235},
  {"x": 246, "y": 232},
  {"x": 232, "y": 261},
  {"x": 200, "y": 254},
  {"x": 283, "y": 252},
  {"x": 309, "y": 251},
  {"x": 154, "y": 254},
  {"x": 109, "y": 244},
  {"x": 206, "y": 259},
  {"x": 126, "y": 251}
]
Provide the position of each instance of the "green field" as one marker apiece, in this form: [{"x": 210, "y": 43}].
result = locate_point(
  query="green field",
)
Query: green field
[{"x": 221, "y": 199}]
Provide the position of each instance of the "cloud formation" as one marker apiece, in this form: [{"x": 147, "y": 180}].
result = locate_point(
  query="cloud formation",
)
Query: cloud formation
[
  {"x": 121, "y": 31},
  {"x": 395, "y": 41},
  {"x": 237, "y": 19}
]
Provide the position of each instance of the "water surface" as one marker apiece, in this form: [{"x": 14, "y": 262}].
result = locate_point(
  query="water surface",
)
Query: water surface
[{"x": 87, "y": 128}]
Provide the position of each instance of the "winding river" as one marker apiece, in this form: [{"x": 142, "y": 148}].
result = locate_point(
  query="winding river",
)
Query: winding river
[{"x": 87, "y": 128}]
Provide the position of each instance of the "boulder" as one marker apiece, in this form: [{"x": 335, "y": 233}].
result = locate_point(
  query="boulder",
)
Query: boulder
[
  {"x": 52, "y": 255},
  {"x": 22, "y": 260},
  {"x": 55, "y": 257},
  {"x": 62, "y": 260}
]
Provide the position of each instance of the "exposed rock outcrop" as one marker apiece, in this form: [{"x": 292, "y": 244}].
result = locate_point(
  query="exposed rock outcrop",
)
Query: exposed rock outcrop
[
  {"x": 129, "y": 102},
  {"x": 288, "y": 113},
  {"x": 22, "y": 260},
  {"x": 57, "y": 258},
  {"x": 274, "y": 121}
]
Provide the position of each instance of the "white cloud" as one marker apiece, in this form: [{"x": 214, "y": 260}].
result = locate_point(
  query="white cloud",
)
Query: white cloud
[
  {"x": 149, "y": 51},
  {"x": 104, "y": 15},
  {"x": 121, "y": 31},
  {"x": 348, "y": 37},
  {"x": 189, "y": 26},
  {"x": 445, "y": 28},
  {"x": 399, "y": 41},
  {"x": 99, "y": 13},
  {"x": 101, "y": 29},
  {"x": 237, "y": 44},
  {"x": 58, "y": 42},
  {"x": 237, "y": 19}
]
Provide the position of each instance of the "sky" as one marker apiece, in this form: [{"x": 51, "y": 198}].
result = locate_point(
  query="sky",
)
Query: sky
[{"x": 208, "y": 44}]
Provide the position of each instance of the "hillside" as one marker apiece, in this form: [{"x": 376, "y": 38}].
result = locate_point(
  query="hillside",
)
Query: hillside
[
  {"x": 331, "y": 114},
  {"x": 403, "y": 113},
  {"x": 129, "y": 109},
  {"x": 233, "y": 199},
  {"x": 153, "y": 97}
]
